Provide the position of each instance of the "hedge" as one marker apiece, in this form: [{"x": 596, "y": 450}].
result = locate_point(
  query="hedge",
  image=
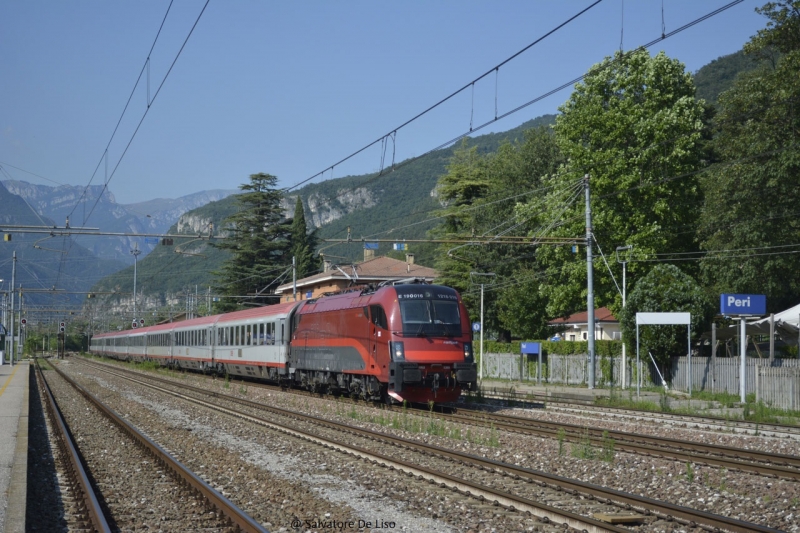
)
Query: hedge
[{"x": 602, "y": 348}]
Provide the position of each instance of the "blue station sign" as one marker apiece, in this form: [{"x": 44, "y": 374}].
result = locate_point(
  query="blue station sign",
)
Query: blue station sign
[
  {"x": 743, "y": 304},
  {"x": 530, "y": 348}
]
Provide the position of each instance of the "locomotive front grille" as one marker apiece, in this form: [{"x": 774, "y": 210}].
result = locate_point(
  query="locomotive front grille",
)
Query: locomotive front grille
[{"x": 412, "y": 375}]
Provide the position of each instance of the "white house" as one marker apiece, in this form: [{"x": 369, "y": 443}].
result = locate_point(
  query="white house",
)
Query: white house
[{"x": 576, "y": 327}]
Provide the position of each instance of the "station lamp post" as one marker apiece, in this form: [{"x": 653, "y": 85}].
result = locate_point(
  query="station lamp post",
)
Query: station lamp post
[
  {"x": 135, "y": 253},
  {"x": 493, "y": 276},
  {"x": 624, "y": 262}
]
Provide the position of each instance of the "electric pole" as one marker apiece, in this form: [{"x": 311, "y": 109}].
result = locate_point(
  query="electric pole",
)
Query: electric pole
[{"x": 589, "y": 282}]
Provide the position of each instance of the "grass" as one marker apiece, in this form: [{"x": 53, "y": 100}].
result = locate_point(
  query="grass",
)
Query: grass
[
  {"x": 151, "y": 366},
  {"x": 753, "y": 411},
  {"x": 412, "y": 422},
  {"x": 583, "y": 449},
  {"x": 608, "y": 451}
]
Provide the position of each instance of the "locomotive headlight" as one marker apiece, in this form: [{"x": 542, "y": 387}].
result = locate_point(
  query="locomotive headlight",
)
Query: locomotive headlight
[
  {"x": 469, "y": 357},
  {"x": 398, "y": 351}
]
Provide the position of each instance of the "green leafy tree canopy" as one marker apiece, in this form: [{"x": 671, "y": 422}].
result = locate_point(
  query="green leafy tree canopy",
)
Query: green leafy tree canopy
[
  {"x": 665, "y": 289},
  {"x": 749, "y": 223},
  {"x": 634, "y": 126}
]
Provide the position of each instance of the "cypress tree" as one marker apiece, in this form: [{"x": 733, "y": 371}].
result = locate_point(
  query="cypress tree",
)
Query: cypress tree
[{"x": 303, "y": 243}]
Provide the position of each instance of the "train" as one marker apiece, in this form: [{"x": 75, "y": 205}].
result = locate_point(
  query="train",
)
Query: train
[{"x": 394, "y": 342}]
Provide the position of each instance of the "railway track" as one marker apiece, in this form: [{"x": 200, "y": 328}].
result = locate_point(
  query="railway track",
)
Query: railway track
[
  {"x": 478, "y": 476},
  {"x": 554, "y": 402},
  {"x": 777, "y": 466},
  {"x": 128, "y": 468},
  {"x": 753, "y": 461},
  {"x": 82, "y": 507}
]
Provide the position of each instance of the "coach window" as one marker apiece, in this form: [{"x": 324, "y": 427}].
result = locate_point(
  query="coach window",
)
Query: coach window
[{"x": 249, "y": 335}]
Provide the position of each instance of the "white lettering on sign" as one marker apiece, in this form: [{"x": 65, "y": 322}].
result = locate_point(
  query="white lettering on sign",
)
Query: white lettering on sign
[{"x": 736, "y": 302}]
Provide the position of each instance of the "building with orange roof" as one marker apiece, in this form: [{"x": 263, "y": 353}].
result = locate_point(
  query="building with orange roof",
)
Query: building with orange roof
[{"x": 337, "y": 277}]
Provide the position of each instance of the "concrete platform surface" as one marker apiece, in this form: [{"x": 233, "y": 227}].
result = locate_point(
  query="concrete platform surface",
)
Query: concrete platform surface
[
  {"x": 13, "y": 446},
  {"x": 563, "y": 391}
]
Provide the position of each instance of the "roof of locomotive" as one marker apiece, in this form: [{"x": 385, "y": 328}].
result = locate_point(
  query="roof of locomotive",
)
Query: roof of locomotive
[{"x": 355, "y": 298}]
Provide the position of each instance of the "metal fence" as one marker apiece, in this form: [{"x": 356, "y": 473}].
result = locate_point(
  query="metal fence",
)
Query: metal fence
[
  {"x": 777, "y": 383},
  {"x": 779, "y": 387},
  {"x": 565, "y": 369}
]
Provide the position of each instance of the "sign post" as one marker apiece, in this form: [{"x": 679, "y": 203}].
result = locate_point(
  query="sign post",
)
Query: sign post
[
  {"x": 664, "y": 319},
  {"x": 742, "y": 305}
]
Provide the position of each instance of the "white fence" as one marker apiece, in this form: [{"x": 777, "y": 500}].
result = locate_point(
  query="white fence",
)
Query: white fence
[
  {"x": 779, "y": 387},
  {"x": 569, "y": 369}
]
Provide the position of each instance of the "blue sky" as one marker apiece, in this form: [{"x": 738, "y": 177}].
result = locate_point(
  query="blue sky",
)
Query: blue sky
[{"x": 290, "y": 88}]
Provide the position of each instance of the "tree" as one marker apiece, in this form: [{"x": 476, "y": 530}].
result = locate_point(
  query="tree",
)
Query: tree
[
  {"x": 749, "y": 223},
  {"x": 634, "y": 126},
  {"x": 481, "y": 193},
  {"x": 303, "y": 242},
  {"x": 665, "y": 289},
  {"x": 259, "y": 240}
]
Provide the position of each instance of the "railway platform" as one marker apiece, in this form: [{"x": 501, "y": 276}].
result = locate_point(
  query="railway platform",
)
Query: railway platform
[
  {"x": 561, "y": 391},
  {"x": 14, "y": 383}
]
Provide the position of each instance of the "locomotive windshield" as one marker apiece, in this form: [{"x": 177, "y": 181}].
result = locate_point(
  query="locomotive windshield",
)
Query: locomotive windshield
[{"x": 430, "y": 318}]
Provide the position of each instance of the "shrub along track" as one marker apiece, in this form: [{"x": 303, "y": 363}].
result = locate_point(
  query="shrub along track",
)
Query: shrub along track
[{"x": 486, "y": 478}]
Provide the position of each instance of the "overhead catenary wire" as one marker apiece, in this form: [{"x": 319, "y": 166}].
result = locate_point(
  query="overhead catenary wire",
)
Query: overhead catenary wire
[
  {"x": 504, "y": 115},
  {"x": 448, "y": 97}
]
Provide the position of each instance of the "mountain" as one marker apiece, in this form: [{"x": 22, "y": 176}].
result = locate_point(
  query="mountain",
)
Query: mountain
[
  {"x": 373, "y": 205},
  {"x": 718, "y": 76},
  {"x": 102, "y": 210},
  {"x": 48, "y": 276}
]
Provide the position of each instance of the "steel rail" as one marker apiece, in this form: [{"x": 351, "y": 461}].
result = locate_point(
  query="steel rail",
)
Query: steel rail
[
  {"x": 556, "y": 401},
  {"x": 667, "y": 510},
  {"x": 238, "y": 517},
  {"x": 78, "y": 474},
  {"x": 770, "y": 464}
]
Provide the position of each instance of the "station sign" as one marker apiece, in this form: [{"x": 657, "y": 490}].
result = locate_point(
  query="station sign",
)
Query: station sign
[
  {"x": 530, "y": 348},
  {"x": 743, "y": 304}
]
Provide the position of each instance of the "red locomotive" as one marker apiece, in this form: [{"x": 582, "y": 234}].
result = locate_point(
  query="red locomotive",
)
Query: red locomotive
[{"x": 403, "y": 342}]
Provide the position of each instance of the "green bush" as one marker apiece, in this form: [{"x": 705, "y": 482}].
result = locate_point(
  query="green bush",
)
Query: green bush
[{"x": 603, "y": 348}]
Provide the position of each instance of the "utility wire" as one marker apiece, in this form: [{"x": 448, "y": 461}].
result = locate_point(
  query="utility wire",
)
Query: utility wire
[
  {"x": 508, "y": 113},
  {"x": 445, "y": 99}
]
